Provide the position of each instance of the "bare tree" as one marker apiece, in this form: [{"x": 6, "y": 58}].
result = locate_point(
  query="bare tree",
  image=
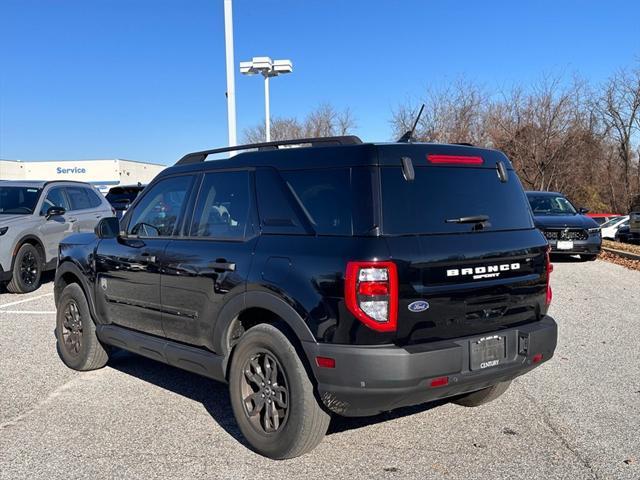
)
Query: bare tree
[
  {"x": 452, "y": 114},
  {"x": 619, "y": 107},
  {"x": 284, "y": 128},
  {"x": 324, "y": 121},
  {"x": 537, "y": 131}
]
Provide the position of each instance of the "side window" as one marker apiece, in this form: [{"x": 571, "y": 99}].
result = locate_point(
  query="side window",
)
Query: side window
[
  {"x": 94, "y": 199},
  {"x": 158, "y": 212},
  {"x": 325, "y": 196},
  {"x": 78, "y": 198},
  {"x": 223, "y": 206},
  {"x": 55, "y": 198}
]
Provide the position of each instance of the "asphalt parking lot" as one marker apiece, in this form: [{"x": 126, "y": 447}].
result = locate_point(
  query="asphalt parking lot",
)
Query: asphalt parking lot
[{"x": 578, "y": 416}]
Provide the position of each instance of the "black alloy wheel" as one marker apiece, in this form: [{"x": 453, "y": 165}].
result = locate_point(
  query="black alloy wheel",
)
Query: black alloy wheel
[
  {"x": 76, "y": 339},
  {"x": 26, "y": 270},
  {"x": 265, "y": 393},
  {"x": 29, "y": 269},
  {"x": 72, "y": 329}
]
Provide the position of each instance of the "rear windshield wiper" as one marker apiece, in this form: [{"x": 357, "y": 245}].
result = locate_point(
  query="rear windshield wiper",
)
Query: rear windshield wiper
[{"x": 471, "y": 219}]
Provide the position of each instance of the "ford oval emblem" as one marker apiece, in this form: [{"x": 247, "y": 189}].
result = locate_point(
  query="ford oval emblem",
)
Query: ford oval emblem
[{"x": 418, "y": 306}]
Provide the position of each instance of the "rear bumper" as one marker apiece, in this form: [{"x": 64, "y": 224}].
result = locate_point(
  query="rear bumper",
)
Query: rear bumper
[
  {"x": 371, "y": 379},
  {"x": 590, "y": 246}
]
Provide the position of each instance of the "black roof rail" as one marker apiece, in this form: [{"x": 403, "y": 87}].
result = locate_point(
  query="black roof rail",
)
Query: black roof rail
[{"x": 197, "y": 157}]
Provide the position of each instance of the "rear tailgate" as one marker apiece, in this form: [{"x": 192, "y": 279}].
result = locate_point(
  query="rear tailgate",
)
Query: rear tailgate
[
  {"x": 445, "y": 294},
  {"x": 461, "y": 233}
]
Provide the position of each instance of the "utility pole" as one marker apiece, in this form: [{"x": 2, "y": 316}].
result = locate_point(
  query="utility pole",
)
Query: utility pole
[{"x": 231, "y": 87}]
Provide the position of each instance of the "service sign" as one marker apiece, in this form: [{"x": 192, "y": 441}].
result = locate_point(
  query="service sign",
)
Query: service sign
[{"x": 83, "y": 171}]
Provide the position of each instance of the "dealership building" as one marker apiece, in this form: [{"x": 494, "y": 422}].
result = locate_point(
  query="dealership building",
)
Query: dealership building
[{"x": 104, "y": 174}]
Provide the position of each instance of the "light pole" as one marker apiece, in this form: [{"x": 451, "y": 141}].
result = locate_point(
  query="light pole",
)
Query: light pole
[
  {"x": 231, "y": 88},
  {"x": 267, "y": 68}
]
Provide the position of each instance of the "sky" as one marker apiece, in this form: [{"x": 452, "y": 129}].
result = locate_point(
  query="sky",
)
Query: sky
[{"x": 145, "y": 79}]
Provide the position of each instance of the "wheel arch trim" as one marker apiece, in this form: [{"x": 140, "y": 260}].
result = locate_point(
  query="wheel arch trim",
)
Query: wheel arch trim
[
  {"x": 257, "y": 299},
  {"x": 72, "y": 268},
  {"x": 29, "y": 238}
]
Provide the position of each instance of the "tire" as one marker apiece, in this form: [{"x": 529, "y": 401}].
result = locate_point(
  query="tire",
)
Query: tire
[
  {"x": 486, "y": 395},
  {"x": 300, "y": 424},
  {"x": 77, "y": 343},
  {"x": 27, "y": 270},
  {"x": 588, "y": 258}
]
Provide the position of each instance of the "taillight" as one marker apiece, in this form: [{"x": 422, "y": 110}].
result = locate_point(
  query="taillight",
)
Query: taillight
[
  {"x": 549, "y": 270},
  {"x": 455, "y": 159},
  {"x": 371, "y": 294}
]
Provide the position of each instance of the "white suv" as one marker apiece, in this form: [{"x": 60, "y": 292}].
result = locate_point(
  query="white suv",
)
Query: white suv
[{"x": 34, "y": 218}]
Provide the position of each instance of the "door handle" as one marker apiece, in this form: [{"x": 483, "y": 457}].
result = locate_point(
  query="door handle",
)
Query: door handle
[
  {"x": 72, "y": 219},
  {"x": 148, "y": 258},
  {"x": 223, "y": 266}
]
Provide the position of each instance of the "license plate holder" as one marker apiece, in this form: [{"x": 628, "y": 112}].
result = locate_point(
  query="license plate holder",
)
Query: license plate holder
[
  {"x": 487, "y": 352},
  {"x": 565, "y": 244}
]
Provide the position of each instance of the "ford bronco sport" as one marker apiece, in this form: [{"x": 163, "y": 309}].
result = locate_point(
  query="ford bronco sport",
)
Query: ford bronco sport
[{"x": 338, "y": 277}]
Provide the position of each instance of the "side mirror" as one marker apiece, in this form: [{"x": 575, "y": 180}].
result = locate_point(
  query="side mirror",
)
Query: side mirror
[
  {"x": 55, "y": 211},
  {"x": 582, "y": 211},
  {"x": 108, "y": 227}
]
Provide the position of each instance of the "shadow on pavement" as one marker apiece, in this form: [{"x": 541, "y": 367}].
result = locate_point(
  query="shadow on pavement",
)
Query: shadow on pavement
[
  {"x": 214, "y": 396},
  {"x": 565, "y": 258}
]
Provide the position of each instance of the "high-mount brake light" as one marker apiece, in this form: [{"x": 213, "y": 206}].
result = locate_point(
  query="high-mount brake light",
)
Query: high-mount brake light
[
  {"x": 549, "y": 296},
  {"x": 454, "y": 159},
  {"x": 371, "y": 294}
]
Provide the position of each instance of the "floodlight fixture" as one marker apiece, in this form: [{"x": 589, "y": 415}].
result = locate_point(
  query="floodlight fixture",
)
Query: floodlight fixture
[{"x": 267, "y": 68}]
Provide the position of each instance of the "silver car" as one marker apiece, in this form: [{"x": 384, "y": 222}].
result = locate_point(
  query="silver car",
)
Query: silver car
[{"x": 34, "y": 218}]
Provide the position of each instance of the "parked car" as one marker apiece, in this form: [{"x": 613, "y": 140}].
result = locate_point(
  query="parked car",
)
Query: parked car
[
  {"x": 566, "y": 228},
  {"x": 634, "y": 221},
  {"x": 342, "y": 278},
  {"x": 623, "y": 234},
  {"x": 601, "y": 218},
  {"x": 34, "y": 218},
  {"x": 122, "y": 196},
  {"x": 609, "y": 229}
]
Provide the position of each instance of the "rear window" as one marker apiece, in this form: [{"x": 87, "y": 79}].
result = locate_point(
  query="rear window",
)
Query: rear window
[
  {"x": 439, "y": 194},
  {"x": 122, "y": 195}
]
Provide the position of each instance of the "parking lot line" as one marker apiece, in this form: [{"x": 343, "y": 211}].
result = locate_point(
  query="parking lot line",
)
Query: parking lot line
[
  {"x": 31, "y": 312},
  {"x": 11, "y": 304}
]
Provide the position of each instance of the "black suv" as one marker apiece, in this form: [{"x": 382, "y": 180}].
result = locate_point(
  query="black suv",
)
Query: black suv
[
  {"x": 338, "y": 277},
  {"x": 122, "y": 196}
]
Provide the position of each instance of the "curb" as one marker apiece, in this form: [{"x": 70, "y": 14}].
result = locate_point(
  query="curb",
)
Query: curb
[{"x": 622, "y": 253}]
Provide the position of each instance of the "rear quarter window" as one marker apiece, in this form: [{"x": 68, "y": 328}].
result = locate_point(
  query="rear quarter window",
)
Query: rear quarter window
[
  {"x": 439, "y": 194},
  {"x": 337, "y": 201},
  {"x": 78, "y": 197},
  {"x": 94, "y": 198}
]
